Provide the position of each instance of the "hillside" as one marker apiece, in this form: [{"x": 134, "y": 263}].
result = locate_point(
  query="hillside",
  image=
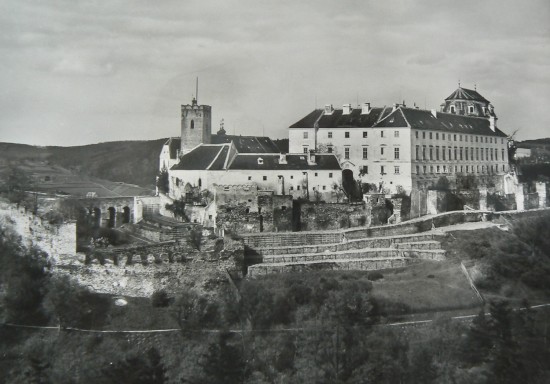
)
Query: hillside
[{"x": 133, "y": 162}]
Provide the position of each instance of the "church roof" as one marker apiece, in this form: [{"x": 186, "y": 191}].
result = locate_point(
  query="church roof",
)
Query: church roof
[
  {"x": 446, "y": 122},
  {"x": 293, "y": 162},
  {"x": 203, "y": 157},
  {"x": 466, "y": 94},
  {"x": 337, "y": 119},
  {"x": 247, "y": 144}
]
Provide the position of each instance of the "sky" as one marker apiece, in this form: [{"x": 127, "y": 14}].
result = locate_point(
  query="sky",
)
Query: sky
[{"x": 81, "y": 72}]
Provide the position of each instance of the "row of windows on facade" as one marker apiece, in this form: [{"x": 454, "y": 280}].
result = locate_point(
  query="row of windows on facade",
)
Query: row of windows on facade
[
  {"x": 439, "y": 169},
  {"x": 459, "y": 153},
  {"x": 330, "y": 149},
  {"x": 264, "y": 178},
  {"x": 453, "y": 137},
  {"x": 461, "y": 168},
  {"x": 179, "y": 182},
  {"x": 347, "y": 135},
  {"x": 458, "y": 137}
]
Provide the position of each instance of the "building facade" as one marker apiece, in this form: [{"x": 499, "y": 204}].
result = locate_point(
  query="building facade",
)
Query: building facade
[{"x": 400, "y": 148}]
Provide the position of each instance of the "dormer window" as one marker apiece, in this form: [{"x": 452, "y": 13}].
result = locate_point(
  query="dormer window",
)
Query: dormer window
[
  {"x": 260, "y": 161},
  {"x": 453, "y": 109},
  {"x": 470, "y": 109}
]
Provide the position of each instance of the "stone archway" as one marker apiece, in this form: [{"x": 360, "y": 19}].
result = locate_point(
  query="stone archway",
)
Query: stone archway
[
  {"x": 112, "y": 217},
  {"x": 125, "y": 215}
]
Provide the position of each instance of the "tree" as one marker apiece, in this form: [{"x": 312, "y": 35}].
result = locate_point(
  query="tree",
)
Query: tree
[
  {"x": 136, "y": 369},
  {"x": 17, "y": 183},
  {"x": 163, "y": 183},
  {"x": 224, "y": 363}
]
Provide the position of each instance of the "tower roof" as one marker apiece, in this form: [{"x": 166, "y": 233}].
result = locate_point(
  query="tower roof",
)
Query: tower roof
[{"x": 466, "y": 94}]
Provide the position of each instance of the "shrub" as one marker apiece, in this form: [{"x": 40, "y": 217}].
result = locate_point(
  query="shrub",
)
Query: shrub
[
  {"x": 375, "y": 275},
  {"x": 160, "y": 299}
]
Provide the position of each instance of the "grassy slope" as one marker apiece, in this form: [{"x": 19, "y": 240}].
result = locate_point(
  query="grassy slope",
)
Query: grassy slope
[{"x": 134, "y": 162}]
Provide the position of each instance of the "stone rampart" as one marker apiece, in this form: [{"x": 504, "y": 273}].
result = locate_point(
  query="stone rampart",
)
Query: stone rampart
[{"x": 325, "y": 216}]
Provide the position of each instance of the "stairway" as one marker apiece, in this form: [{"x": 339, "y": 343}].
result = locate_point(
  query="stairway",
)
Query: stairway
[{"x": 357, "y": 254}]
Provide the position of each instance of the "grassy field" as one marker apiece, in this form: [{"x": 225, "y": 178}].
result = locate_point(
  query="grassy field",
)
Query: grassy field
[{"x": 429, "y": 286}]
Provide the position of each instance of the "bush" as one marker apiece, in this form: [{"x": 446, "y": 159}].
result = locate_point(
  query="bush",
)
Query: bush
[
  {"x": 375, "y": 275},
  {"x": 160, "y": 299}
]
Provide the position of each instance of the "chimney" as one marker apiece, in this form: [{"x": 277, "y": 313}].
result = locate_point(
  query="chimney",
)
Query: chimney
[
  {"x": 492, "y": 123},
  {"x": 311, "y": 157},
  {"x": 365, "y": 109},
  {"x": 395, "y": 107},
  {"x": 328, "y": 109},
  {"x": 346, "y": 108},
  {"x": 434, "y": 113},
  {"x": 282, "y": 158}
]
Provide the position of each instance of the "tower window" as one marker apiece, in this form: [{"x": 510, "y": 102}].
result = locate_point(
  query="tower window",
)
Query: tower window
[
  {"x": 346, "y": 135},
  {"x": 453, "y": 110},
  {"x": 330, "y": 135},
  {"x": 192, "y": 124},
  {"x": 305, "y": 135}
]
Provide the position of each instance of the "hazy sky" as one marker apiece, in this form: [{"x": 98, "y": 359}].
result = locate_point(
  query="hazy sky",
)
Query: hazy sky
[{"x": 78, "y": 72}]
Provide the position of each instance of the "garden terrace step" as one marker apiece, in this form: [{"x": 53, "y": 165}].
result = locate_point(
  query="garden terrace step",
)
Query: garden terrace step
[
  {"x": 432, "y": 244},
  {"x": 376, "y": 242},
  {"x": 367, "y": 253},
  {"x": 363, "y": 264}
]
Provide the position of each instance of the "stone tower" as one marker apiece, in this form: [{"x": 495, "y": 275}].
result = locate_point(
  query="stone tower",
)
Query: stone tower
[{"x": 196, "y": 125}]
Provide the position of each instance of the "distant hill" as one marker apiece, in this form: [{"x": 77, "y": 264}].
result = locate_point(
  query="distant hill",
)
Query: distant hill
[{"x": 133, "y": 162}]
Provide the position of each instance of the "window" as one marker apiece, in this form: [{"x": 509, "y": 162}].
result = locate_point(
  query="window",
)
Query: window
[
  {"x": 491, "y": 154},
  {"x": 454, "y": 137},
  {"x": 442, "y": 136},
  {"x": 444, "y": 169},
  {"x": 416, "y": 134},
  {"x": 443, "y": 149},
  {"x": 324, "y": 188},
  {"x": 381, "y": 133},
  {"x": 365, "y": 153},
  {"x": 424, "y": 168},
  {"x": 192, "y": 124},
  {"x": 346, "y": 135},
  {"x": 417, "y": 152},
  {"x": 450, "y": 153},
  {"x": 430, "y": 135},
  {"x": 456, "y": 157},
  {"x": 365, "y": 169},
  {"x": 330, "y": 175},
  {"x": 305, "y": 135},
  {"x": 417, "y": 169},
  {"x": 423, "y": 152},
  {"x": 305, "y": 150},
  {"x": 260, "y": 161},
  {"x": 316, "y": 174},
  {"x": 396, "y": 153},
  {"x": 476, "y": 139},
  {"x": 396, "y": 170},
  {"x": 329, "y": 135},
  {"x": 470, "y": 109},
  {"x": 298, "y": 188},
  {"x": 467, "y": 169},
  {"x": 502, "y": 156},
  {"x": 249, "y": 178},
  {"x": 265, "y": 178},
  {"x": 395, "y": 133},
  {"x": 382, "y": 170},
  {"x": 431, "y": 169},
  {"x": 365, "y": 134},
  {"x": 382, "y": 151},
  {"x": 466, "y": 153},
  {"x": 486, "y": 140},
  {"x": 437, "y": 169},
  {"x": 460, "y": 151},
  {"x": 437, "y": 136},
  {"x": 423, "y": 135},
  {"x": 431, "y": 152},
  {"x": 487, "y": 154},
  {"x": 346, "y": 153},
  {"x": 453, "y": 109},
  {"x": 477, "y": 153},
  {"x": 291, "y": 188},
  {"x": 437, "y": 152},
  {"x": 329, "y": 149},
  {"x": 481, "y": 154},
  {"x": 292, "y": 176},
  {"x": 460, "y": 137}
]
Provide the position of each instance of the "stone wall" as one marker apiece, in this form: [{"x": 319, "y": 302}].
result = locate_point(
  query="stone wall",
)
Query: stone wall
[
  {"x": 139, "y": 271},
  {"x": 323, "y": 216}
]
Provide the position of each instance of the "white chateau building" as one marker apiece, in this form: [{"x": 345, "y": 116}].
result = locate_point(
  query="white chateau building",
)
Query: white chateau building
[
  {"x": 199, "y": 160},
  {"x": 405, "y": 147}
]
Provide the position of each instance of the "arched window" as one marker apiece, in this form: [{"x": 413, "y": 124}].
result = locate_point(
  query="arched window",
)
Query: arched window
[
  {"x": 200, "y": 183},
  {"x": 192, "y": 124}
]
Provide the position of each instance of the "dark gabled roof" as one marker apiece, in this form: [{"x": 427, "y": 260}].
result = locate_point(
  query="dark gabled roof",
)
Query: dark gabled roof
[
  {"x": 466, "y": 94},
  {"x": 219, "y": 162},
  {"x": 337, "y": 119},
  {"x": 393, "y": 120},
  {"x": 201, "y": 157},
  {"x": 247, "y": 144},
  {"x": 174, "y": 144},
  {"x": 294, "y": 162},
  {"x": 449, "y": 122}
]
